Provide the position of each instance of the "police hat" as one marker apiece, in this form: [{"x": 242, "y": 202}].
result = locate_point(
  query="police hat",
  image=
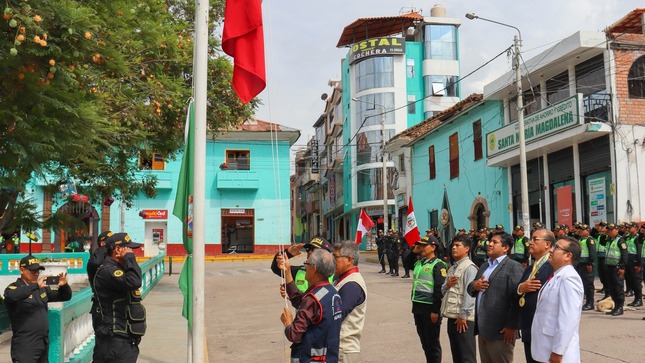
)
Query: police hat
[
  {"x": 461, "y": 230},
  {"x": 537, "y": 225},
  {"x": 427, "y": 240},
  {"x": 30, "y": 263},
  {"x": 103, "y": 236},
  {"x": 318, "y": 242},
  {"x": 557, "y": 227},
  {"x": 611, "y": 226},
  {"x": 120, "y": 240},
  {"x": 518, "y": 228},
  {"x": 602, "y": 224},
  {"x": 500, "y": 227}
]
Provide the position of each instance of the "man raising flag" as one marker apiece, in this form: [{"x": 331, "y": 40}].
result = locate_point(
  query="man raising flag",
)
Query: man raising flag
[{"x": 365, "y": 223}]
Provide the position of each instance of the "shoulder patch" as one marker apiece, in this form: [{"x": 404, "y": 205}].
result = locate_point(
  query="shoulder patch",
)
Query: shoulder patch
[
  {"x": 12, "y": 287},
  {"x": 443, "y": 272},
  {"x": 623, "y": 246},
  {"x": 118, "y": 273},
  {"x": 591, "y": 242}
]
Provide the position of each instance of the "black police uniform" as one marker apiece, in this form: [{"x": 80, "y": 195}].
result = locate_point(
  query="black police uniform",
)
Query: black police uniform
[
  {"x": 615, "y": 281},
  {"x": 585, "y": 264},
  {"x": 395, "y": 251},
  {"x": 122, "y": 316},
  {"x": 602, "y": 268},
  {"x": 380, "y": 247},
  {"x": 27, "y": 308}
]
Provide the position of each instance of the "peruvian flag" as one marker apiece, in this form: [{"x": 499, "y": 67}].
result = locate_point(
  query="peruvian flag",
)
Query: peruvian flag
[
  {"x": 243, "y": 39},
  {"x": 411, "y": 229},
  {"x": 365, "y": 223}
]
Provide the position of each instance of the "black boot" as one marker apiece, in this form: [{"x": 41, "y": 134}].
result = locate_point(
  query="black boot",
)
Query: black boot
[
  {"x": 636, "y": 303},
  {"x": 382, "y": 271},
  {"x": 617, "y": 312},
  {"x": 405, "y": 276},
  {"x": 588, "y": 306},
  {"x": 395, "y": 274}
]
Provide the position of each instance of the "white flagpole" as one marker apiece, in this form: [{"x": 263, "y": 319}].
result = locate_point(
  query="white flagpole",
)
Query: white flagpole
[{"x": 200, "y": 74}]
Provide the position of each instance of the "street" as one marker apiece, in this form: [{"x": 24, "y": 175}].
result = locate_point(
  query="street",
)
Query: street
[{"x": 243, "y": 308}]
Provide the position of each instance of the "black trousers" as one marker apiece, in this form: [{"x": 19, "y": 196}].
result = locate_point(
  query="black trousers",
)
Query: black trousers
[
  {"x": 587, "y": 282},
  {"x": 30, "y": 350},
  {"x": 115, "y": 349},
  {"x": 602, "y": 273},
  {"x": 527, "y": 350},
  {"x": 462, "y": 345},
  {"x": 616, "y": 286},
  {"x": 429, "y": 336},
  {"x": 381, "y": 257},
  {"x": 393, "y": 258},
  {"x": 634, "y": 280}
]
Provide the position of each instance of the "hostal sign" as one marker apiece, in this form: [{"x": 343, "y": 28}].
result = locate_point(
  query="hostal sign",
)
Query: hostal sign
[
  {"x": 538, "y": 125},
  {"x": 376, "y": 47}
]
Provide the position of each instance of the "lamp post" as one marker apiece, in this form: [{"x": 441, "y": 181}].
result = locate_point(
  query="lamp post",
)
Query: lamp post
[
  {"x": 384, "y": 172},
  {"x": 524, "y": 186}
]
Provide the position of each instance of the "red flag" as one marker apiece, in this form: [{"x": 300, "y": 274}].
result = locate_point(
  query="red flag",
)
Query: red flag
[
  {"x": 243, "y": 39},
  {"x": 411, "y": 229},
  {"x": 365, "y": 223}
]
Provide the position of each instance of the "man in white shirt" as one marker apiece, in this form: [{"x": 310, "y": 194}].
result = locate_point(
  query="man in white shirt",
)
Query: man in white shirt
[{"x": 554, "y": 333}]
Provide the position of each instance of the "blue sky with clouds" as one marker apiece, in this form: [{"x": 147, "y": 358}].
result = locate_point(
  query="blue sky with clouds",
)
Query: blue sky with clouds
[{"x": 301, "y": 37}]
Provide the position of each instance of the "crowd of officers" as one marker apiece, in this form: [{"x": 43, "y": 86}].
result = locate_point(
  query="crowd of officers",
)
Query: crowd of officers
[{"x": 118, "y": 317}]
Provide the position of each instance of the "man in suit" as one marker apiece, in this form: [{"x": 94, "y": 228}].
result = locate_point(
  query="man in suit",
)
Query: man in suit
[
  {"x": 495, "y": 287},
  {"x": 554, "y": 334},
  {"x": 534, "y": 277}
]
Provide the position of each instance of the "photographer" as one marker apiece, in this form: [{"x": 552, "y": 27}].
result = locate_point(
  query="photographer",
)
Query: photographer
[{"x": 26, "y": 301}]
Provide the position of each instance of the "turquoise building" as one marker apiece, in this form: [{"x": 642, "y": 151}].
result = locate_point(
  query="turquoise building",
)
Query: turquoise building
[
  {"x": 449, "y": 151},
  {"x": 247, "y": 198}
]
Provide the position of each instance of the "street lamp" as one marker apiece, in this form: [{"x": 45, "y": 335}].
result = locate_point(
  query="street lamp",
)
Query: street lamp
[
  {"x": 524, "y": 186},
  {"x": 384, "y": 172}
]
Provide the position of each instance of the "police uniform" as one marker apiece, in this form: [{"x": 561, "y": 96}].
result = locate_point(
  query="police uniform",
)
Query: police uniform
[
  {"x": 585, "y": 267},
  {"x": 380, "y": 246},
  {"x": 520, "y": 250},
  {"x": 122, "y": 320},
  {"x": 429, "y": 275},
  {"x": 395, "y": 252},
  {"x": 633, "y": 273},
  {"x": 616, "y": 260},
  {"x": 479, "y": 254},
  {"x": 27, "y": 309},
  {"x": 298, "y": 271}
]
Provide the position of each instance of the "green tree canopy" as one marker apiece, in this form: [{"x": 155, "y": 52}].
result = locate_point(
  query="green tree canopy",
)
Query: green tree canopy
[{"x": 86, "y": 86}]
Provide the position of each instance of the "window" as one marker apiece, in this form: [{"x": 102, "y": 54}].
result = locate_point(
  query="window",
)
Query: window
[
  {"x": 368, "y": 146},
  {"x": 238, "y": 160},
  {"x": 374, "y": 72},
  {"x": 431, "y": 161},
  {"x": 372, "y": 109},
  {"x": 454, "y": 155},
  {"x": 477, "y": 139},
  {"x": 412, "y": 104},
  {"x": 531, "y": 103},
  {"x": 402, "y": 163},
  {"x": 442, "y": 86},
  {"x": 557, "y": 88},
  {"x": 409, "y": 69},
  {"x": 440, "y": 42},
  {"x": 152, "y": 162},
  {"x": 636, "y": 79},
  {"x": 590, "y": 76}
]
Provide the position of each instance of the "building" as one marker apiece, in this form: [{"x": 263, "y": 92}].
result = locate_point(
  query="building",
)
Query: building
[
  {"x": 444, "y": 156},
  {"x": 399, "y": 70},
  {"x": 584, "y": 127},
  {"x": 247, "y": 198}
]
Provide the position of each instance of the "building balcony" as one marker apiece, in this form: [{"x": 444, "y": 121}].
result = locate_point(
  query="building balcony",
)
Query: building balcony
[{"x": 238, "y": 179}]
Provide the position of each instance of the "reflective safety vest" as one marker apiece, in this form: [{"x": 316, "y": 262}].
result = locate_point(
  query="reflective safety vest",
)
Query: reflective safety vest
[
  {"x": 584, "y": 251},
  {"x": 423, "y": 283},
  {"x": 601, "y": 250},
  {"x": 301, "y": 282},
  {"x": 613, "y": 253},
  {"x": 481, "y": 250},
  {"x": 643, "y": 254},
  {"x": 631, "y": 245},
  {"x": 519, "y": 249}
]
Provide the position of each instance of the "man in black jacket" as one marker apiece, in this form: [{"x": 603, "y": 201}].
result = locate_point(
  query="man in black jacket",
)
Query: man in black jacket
[{"x": 26, "y": 301}]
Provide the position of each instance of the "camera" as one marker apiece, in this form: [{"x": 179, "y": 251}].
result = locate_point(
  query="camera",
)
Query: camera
[{"x": 52, "y": 280}]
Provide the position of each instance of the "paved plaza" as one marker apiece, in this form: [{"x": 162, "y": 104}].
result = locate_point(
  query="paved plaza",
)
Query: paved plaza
[{"x": 243, "y": 309}]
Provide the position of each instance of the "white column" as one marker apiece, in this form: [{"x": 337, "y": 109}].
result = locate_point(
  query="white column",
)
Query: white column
[
  {"x": 547, "y": 192},
  {"x": 577, "y": 183}
]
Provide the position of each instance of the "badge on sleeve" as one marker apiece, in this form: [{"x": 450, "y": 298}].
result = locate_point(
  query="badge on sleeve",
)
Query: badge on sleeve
[
  {"x": 623, "y": 246},
  {"x": 443, "y": 272},
  {"x": 118, "y": 273},
  {"x": 591, "y": 242}
]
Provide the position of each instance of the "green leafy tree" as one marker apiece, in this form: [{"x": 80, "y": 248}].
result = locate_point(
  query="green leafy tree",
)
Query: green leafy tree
[{"x": 87, "y": 86}]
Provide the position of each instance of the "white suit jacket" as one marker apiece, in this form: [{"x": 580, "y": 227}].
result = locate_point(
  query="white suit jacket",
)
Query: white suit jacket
[{"x": 557, "y": 317}]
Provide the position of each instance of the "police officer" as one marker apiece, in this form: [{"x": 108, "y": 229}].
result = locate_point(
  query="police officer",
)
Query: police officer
[
  {"x": 601, "y": 252},
  {"x": 480, "y": 252},
  {"x": 95, "y": 261},
  {"x": 117, "y": 286},
  {"x": 586, "y": 263},
  {"x": 380, "y": 245},
  {"x": 520, "y": 250},
  {"x": 395, "y": 251},
  {"x": 616, "y": 260},
  {"x": 429, "y": 274},
  {"x": 633, "y": 273},
  {"x": 26, "y": 301}
]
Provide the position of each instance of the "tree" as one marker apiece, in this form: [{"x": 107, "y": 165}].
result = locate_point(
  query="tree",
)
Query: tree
[{"x": 89, "y": 85}]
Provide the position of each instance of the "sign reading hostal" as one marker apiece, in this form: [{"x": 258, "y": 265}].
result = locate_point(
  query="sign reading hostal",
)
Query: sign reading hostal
[
  {"x": 376, "y": 47},
  {"x": 538, "y": 125},
  {"x": 154, "y": 214}
]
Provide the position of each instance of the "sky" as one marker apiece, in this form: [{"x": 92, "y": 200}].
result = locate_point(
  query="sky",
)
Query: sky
[{"x": 301, "y": 37}]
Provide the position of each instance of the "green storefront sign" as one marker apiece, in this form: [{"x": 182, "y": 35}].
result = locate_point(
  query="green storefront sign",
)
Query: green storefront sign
[{"x": 538, "y": 125}]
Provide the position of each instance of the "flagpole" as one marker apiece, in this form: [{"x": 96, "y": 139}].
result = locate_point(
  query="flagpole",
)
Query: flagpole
[{"x": 200, "y": 74}]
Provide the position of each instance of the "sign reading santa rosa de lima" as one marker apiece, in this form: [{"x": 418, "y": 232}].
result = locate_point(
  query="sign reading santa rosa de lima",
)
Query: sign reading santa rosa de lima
[{"x": 538, "y": 125}]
